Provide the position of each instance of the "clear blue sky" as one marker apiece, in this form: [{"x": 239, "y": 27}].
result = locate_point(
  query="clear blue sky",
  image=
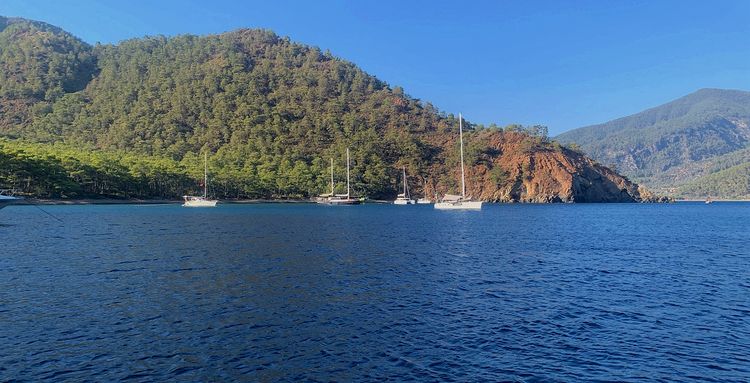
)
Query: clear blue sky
[{"x": 564, "y": 64}]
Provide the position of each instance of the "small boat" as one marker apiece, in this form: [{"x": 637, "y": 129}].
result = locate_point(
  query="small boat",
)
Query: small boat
[
  {"x": 458, "y": 202},
  {"x": 7, "y": 198},
  {"x": 709, "y": 200},
  {"x": 424, "y": 200},
  {"x": 462, "y": 202},
  {"x": 201, "y": 201},
  {"x": 404, "y": 198},
  {"x": 339, "y": 199}
]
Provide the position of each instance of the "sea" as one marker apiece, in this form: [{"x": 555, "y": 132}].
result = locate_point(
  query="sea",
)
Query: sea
[{"x": 373, "y": 293}]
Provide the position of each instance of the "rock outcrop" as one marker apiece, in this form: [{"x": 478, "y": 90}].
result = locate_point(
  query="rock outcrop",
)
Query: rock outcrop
[{"x": 516, "y": 167}]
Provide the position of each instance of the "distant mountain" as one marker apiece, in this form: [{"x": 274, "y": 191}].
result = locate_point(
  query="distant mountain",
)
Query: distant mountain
[
  {"x": 131, "y": 119},
  {"x": 676, "y": 144}
]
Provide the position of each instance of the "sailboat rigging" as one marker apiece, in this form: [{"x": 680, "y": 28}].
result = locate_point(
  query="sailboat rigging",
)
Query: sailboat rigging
[
  {"x": 456, "y": 202},
  {"x": 339, "y": 199},
  {"x": 404, "y": 198},
  {"x": 201, "y": 201},
  {"x": 424, "y": 199}
]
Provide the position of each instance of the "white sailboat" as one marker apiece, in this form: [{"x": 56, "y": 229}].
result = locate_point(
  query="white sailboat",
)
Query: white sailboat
[
  {"x": 404, "y": 198},
  {"x": 459, "y": 202},
  {"x": 201, "y": 201},
  {"x": 7, "y": 198},
  {"x": 424, "y": 200},
  {"x": 339, "y": 199}
]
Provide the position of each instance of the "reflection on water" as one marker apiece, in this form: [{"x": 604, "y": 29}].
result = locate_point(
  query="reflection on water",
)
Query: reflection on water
[{"x": 308, "y": 292}]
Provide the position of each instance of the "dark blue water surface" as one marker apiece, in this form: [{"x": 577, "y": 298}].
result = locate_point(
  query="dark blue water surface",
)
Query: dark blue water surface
[{"x": 621, "y": 292}]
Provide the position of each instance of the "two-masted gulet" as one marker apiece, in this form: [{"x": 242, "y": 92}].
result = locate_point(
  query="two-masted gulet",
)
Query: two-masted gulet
[
  {"x": 201, "y": 201},
  {"x": 339, "y": 199},
  {"x": 459, "y": 202}
]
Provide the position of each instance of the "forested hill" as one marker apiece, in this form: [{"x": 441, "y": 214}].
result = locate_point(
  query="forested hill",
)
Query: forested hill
[
  {"x": 687, "y": 145},
  {"x": 269, "y": 111},
  {"x": 38, "y": 64}
]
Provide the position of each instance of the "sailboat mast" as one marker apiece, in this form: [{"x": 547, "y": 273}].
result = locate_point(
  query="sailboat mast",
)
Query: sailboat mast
[
  {"x": 404, "y": 181},
  {"x": 205, "y": 175},
  {"x": 332, "y": 177},
  {"x": 461, "y": 138},
  {"x": 347, "y": 173}
]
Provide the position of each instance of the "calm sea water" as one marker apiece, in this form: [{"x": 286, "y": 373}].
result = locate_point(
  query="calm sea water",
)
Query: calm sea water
[{"x": 312, "y": 293}]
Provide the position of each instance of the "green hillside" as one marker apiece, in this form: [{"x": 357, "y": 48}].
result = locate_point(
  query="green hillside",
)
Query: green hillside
[
  {"x": 265, "y": 107},
  {"x": 269, "y": 112},
  {"x": 733, "y": 182},
  {"x": 38, "y": 64}
]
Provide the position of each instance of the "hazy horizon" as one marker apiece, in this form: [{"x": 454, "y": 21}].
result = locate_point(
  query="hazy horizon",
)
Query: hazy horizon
[{"x": 560, "y": 65}]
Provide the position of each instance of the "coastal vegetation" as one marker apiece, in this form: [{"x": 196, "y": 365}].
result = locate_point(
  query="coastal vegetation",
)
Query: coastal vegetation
[
  {"x": 133, "y": 120},
  {"x": 732, "y": 183},
  {"x": 61, "y": 171}
]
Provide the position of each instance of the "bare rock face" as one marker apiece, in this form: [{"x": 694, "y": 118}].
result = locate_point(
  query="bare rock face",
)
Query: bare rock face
[{"x": 516, "y": 167}]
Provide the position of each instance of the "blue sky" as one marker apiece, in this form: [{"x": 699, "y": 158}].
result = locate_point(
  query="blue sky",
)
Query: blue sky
[{"x": 564, "y": 64}]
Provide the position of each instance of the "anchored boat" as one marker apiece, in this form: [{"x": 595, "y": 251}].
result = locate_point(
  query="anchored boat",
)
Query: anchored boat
[
  {"x": 339, "y": 199},
  {"x": 201, "y": 201},
  {"x": 462, "y": 202},
  {"x": 424, "y": 200},
  {"x": 404, "y": 198}
]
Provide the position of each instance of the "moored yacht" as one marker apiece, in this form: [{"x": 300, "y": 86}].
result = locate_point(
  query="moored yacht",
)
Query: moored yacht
[
  {"x": 424, "y": 200},
  {"x": 201, "y": 201},
  {"x": 339, "y": 199},
  {"x": 459, "y": 202},
  {"x": 404, "y": 198}
]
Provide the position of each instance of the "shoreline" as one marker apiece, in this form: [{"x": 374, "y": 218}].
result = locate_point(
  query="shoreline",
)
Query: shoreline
[
  {"x": 112, "y": 201},
  {"x": 106, "y": 201},
  {"x": 713, "y": 200}
]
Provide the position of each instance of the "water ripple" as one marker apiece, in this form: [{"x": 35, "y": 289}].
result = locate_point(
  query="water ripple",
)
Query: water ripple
[{"x": 308, "y": 293}]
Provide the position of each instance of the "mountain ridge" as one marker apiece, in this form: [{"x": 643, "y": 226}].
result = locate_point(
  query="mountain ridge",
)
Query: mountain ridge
[{"x": 673, "y": 144}]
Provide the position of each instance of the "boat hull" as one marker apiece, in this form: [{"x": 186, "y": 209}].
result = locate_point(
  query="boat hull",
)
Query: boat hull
[
  {"x": 423, "y": 201},
  {"x": 200, "y": 203},
  {"x": 459, "y": 205},
  {"x": 340, "y": 202},
  {"x": 404, "y": 202}
]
